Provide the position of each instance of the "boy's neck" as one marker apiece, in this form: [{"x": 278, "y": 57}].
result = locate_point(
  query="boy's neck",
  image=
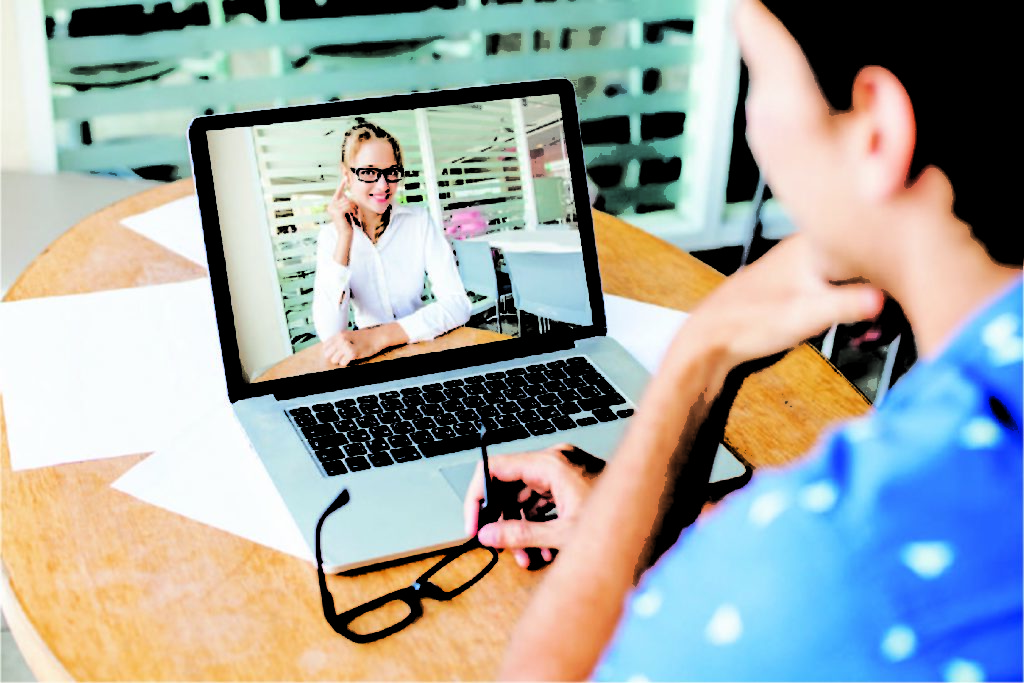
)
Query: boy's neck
[{"x": 943, "y": 278}]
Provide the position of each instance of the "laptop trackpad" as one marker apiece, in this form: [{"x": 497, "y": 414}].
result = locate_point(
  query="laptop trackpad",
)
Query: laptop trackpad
[{"x": 458, "y": 477}]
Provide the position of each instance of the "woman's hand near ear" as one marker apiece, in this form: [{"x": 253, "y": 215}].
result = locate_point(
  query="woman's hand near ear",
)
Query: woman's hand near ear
[{"x": 345, "y": 216}]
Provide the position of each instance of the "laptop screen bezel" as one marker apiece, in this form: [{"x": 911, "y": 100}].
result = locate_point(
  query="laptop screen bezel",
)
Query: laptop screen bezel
[{"x": 412, "y": 366}]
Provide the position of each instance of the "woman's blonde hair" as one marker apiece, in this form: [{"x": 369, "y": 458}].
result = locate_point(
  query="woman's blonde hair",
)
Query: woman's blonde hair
[{"x": 362, "y": 131}]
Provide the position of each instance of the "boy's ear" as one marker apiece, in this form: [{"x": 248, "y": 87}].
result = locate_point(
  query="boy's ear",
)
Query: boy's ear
[{"x": 884, "y": 133}]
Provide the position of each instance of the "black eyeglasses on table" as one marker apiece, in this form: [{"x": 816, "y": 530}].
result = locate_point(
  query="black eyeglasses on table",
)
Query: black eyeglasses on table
[{"x": 444, "y": 581}]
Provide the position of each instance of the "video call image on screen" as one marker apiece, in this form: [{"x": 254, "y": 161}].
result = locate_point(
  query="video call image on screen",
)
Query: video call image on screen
[{"x": 464, "y": 216}]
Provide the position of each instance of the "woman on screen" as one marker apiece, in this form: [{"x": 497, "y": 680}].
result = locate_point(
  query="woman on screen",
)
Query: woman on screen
[{"x": 373, "y": 256}]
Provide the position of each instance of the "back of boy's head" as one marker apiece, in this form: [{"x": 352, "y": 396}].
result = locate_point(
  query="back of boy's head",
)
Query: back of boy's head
[{"x": 955, "y": 65}]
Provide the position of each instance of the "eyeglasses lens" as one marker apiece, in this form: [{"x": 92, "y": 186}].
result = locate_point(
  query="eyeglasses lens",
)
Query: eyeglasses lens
[
  {"x": 383, "y": 618},
  {"x": 463, "y": 570}
]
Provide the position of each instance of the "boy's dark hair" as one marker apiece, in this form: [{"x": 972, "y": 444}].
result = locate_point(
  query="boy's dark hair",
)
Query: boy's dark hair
[{"x": 954, "y": 61}]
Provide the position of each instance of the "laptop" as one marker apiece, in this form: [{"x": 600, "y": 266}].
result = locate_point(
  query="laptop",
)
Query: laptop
[{"x": 401, "y": 434}]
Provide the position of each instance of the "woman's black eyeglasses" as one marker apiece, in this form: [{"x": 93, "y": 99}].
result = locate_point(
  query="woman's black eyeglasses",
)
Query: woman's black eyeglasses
[
  {"x": 391, "y": 174},
  {"x": 458, "y": 570}
]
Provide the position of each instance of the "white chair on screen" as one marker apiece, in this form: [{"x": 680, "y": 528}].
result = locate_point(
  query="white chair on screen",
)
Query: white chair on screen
[
  {"x": 476, "y": 268},
  {"x": 551, "y": 286}
]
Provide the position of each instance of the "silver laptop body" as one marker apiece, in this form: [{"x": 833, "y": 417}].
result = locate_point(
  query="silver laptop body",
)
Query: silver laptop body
[{"x": 414, "y": 507}]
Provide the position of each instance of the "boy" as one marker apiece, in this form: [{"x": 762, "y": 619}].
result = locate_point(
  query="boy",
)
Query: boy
[{"x": 894, "y": 550}]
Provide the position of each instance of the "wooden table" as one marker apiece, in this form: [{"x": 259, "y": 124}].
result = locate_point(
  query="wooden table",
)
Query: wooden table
[{"x": 102, "y": 586}]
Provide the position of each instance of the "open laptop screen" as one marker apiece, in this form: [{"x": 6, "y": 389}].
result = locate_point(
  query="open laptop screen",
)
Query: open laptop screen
[{"x": 454, "y": 222}]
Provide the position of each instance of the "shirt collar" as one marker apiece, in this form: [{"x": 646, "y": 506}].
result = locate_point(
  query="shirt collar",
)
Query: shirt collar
[{"x": 990, "y": 345}]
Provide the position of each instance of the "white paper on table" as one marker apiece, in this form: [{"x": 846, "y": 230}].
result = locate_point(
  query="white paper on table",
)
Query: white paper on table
[
  {"x": 212, "y": 475},
  {"x": 644, "y": 329},
  {"x": 111, "y": 373},
  {"x": 175, "y": 225}
]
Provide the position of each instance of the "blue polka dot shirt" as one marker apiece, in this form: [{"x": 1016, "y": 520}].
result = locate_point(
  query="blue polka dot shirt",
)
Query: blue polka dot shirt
[{"x": 894, "y": 552}]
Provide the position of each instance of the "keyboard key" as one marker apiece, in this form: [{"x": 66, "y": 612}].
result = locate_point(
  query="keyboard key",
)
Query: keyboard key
[
  {"x": 577, "y": 361},
  {"x": 540, "y": 427},
  {"x": 528, "y": 402},
  {"x": 392, "y": 404},
  {"x": 455, "y": 392},
  {"x": 514, "y": 393},
  {"x": 410, "y": 391},
  {"x": 459, "y": 443},
  {"x": 605, "y": 414},
  {"x": 494, "y": 375},
  {"x": 525, "y": 416},
  {"x": 405, "y": 454},
  {"x": 345, "y": 403},
  {"x": 403, "y": 427},
  {"x": 586, "y": 421},
  {"x": 381, "y": 460},
  {"x": 475, "y": 389},
  {"x": 434, "y": 396},
  {"x": 442, "y": 433},
  {"x": 424, "y": 423},
  {"x": 447, "y": 419},
  {"x": 473, "y": 401},
  {"x": 431, "y": 387},
  {"x": 549, "y": 399},
  {"x": 624, "y": 413},
  {"x": 335, "y": 468},
  {"x": 400, "y": 440},
  {"x": 603, "y": 401},
  {"x": 355, "y": 449},
  {"x": 503, "y": 407},
  {"x": 569, "y": 408},
  {"x": 367, "y": 421},
  {"x": 322, "y": 406},
  {"x": 513, "y": 372},
  {"x": 357, "y": 463},
  {"x": 451, "y": 383},
  {"x": 372, "y": 408},
  {"x": 408, "y": 414},
  {"x": 389, "y": 394},
  {"x": 431, "y": 409},
  {"x": 330, "y": 440},
  {"x": 422, "y": 437},
  {"x": 325, "y": 416},
  {"x": 389, "y": 418},
  {"x": 464, "y": 428},
  {"x": 358, "y": 435},
  {"x": 300, "y": 411},
  {"x": 548, "y": 412},
  {"x": 487, "y": 411},
  {"x": 504, "y": 434},
  {"x": 326, "y": 453},
  {"x": 495, "y": 385},
  {"x": 563, "y": 422},
  {"x": 305, "y": 420},
  {"x": 380, "y": 430},
  {"x": 317, "y": 430}
]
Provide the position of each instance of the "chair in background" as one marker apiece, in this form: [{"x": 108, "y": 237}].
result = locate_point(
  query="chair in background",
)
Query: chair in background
[
  {"x": 550, "y": 285},
  {"x": 476, "y": 267}
]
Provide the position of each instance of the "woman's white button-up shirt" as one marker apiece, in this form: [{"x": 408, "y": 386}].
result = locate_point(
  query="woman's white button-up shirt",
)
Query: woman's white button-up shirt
[{"x": 383, "y": 283}]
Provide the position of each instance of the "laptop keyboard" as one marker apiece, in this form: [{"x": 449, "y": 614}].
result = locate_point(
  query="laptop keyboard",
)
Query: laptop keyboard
[{"x": 390, "y": 427}]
